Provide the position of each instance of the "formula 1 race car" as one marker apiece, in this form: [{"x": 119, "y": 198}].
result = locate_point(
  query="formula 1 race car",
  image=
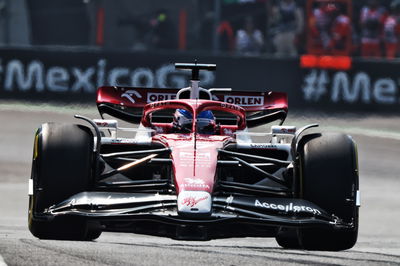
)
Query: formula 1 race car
[{"x": 191, "y": 170}]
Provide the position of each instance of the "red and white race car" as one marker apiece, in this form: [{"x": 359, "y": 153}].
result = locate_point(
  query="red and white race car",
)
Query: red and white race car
[{"x": 193, "y": 170}]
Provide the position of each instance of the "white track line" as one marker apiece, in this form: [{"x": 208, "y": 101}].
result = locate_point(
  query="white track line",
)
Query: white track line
[
  {"x": 386, "y": 134},
  {"x": 2, "y": 262}
]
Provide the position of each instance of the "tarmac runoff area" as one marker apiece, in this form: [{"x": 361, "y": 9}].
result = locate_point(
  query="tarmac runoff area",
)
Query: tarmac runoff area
[{"x": 378, "y": 139}]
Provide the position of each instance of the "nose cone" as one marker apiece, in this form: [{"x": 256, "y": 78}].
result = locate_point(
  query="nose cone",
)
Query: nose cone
[
  {"x": 195, "y": 158},
  {"x": 194, "y": 203},
  {"x": 195, "y": 165}
]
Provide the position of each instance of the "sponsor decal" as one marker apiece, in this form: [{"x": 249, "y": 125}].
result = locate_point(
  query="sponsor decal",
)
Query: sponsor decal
[
  {"x": 37, "y": 76},
  {"x": 155, "y": 97},
  {"x": 109, "y": 140},
  {"x": 287, "y": 130},
  {"x": 200, "y": 156},
  {"x": 244, "y": 100},
  {"x": 106, "y": 123},
  {"x": 341, "y": 86},
  {"x": 286, "y": 208},
  {"x": 189, "y": 159},
  {"x": 230, "y": 106},
  {"x": 117, "y": 200},
  {"x": 129, "y": 95},
  {"x": 263, "y": 146},
  {"x": 102, "y": 124},
  {"x": 192, "y": 201},
  {"x": 158, "y": 104},
  {"x": 229, "y": 199},
  {"x": 283, "y": 130},
  {"x": 99, "y": 201},
  {"x": 195, "y": 183}
]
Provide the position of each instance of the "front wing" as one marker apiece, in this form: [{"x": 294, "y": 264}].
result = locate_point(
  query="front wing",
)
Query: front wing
[{"x": 111, "y": 208}]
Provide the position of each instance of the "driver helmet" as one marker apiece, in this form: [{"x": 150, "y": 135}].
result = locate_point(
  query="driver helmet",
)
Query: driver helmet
[
  {"x": 183, "y": 119},
  {"x": 205, "y": 121}
]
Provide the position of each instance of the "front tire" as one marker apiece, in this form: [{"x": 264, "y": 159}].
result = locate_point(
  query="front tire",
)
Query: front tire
[
  {"x": 288, "y": 238},
  {"x": 329, "y": 178},
  {"x": 61, "y": 167}
]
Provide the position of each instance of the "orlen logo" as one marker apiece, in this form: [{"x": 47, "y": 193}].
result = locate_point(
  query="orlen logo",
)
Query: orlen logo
[
  {"x": 129, "y": 93},
  {"x": 154, "y": 97},
  {"x": 192, "y": 201},
  {"x": 244, "y": 100}
]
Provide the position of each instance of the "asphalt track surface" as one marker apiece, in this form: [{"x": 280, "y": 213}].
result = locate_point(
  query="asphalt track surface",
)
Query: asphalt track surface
[{"x": 378, "y": 141}]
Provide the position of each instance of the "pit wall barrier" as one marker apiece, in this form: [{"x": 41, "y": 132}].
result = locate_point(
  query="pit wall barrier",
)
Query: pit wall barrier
[{"x": 72, "y": 75}]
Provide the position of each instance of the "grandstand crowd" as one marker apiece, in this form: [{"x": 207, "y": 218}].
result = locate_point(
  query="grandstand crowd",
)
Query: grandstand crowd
[{"x": 336, "y": 27}]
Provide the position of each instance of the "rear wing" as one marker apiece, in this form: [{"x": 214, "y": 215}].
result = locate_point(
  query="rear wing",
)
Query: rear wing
[{"x": 127, "y": 103}]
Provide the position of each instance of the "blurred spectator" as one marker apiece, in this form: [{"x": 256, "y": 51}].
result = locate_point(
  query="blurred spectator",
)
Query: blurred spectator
[
  {"x": 226, "y": 36},
  {"x": 162, "y": 34},
  {"x": 249, "y": 41},
  {"x": 340, "y": 32},
  {"x": 329, "y": 30},
  {"x": 392, "y": 30},
  {"x": 372, "y": 18},
  {"x": 287, "y": 21},
  {"x": 320, "y": 26}
]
